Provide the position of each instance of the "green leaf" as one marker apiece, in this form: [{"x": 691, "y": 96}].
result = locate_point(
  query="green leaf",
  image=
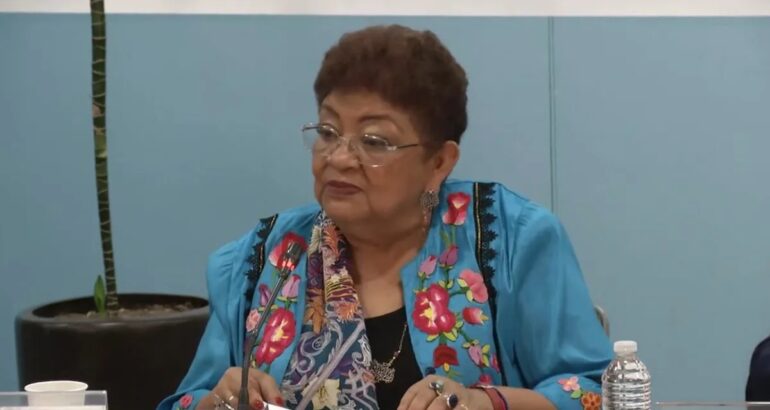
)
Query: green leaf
[
  {"x": 442, "y": 283},
  {"x": 450, "y": 284},
  {"x": 466, "y": 345},
  {"x": 445, "y": 238},
  {"x": 576, "y": 394},
  {"x": 432, "y": 337},
  {"x": 451, "y": 335},
  {"x": 100, "y": 295}
]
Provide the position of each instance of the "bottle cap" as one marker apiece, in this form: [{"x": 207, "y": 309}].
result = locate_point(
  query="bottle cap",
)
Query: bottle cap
[{"x": 625, "y": 347}]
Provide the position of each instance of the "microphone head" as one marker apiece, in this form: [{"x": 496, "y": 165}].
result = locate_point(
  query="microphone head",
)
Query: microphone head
[{"x": 290, "y": 258}]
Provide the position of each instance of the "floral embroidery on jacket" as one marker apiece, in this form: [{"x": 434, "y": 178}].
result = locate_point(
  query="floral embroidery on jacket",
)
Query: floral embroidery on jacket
[
  {"x": 432, "y": 314},
  {"x": 185, "y": 402},
  {"x": 588, "y": 399},
  {"x": 280, "y": 327}
]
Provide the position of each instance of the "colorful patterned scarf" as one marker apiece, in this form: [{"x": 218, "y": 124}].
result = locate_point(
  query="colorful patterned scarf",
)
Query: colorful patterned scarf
[{"x": 330, "y": 367}]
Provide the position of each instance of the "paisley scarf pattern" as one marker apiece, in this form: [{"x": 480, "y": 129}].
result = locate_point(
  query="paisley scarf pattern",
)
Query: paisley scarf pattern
[{"x": 329, "y": 368}]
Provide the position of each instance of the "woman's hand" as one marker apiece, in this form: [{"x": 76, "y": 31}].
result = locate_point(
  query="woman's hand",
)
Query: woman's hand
[
  {"x": 433, "y": 393},
  {"x": 262, "y": 388}
]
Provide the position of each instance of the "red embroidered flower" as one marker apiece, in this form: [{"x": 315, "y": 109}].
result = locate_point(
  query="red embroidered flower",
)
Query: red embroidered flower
[
  {"x": 291, "y": 287},
  {"x": 458, "y": 208},
  {"x": 431, "y": 312},
  {"x": 485, "y": 379},
  {"x": 186, "y": 401},
  {"x": 476, "y": 290},
  {"x": 449, "y": 256},
  {"x": 427, "y": 267},
  {"x": 251, "y": 321},
  {"x": 277, "y": 254},
  {"x": 444, "y": 356},
  {"x": 474, "y": 316},
  {"x": 279, "y": 333},
  {"x": 591, "y": 401}
]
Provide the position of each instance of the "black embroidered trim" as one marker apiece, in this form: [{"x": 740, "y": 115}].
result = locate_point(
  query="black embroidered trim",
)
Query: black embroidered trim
[
  {"x": 257, "y": 260},
  {"x": 483, "y": 193}
]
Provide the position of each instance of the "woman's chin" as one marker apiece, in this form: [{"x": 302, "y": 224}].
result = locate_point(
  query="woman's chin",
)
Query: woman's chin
[{"x": 341, "y": 209}]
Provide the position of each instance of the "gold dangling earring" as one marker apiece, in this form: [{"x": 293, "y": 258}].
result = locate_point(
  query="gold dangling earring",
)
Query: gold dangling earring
[{"x": 428, "y": 201}]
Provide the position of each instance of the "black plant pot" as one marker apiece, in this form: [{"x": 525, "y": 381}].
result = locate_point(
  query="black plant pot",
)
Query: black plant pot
[{"x": 138, "y": 360}]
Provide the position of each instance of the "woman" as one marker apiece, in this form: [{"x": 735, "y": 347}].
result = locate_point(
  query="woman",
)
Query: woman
[{"x": 414, "y": 292}]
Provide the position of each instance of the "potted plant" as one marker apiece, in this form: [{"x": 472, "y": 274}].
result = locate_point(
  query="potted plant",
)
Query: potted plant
[{"x": 137, "y": 347}]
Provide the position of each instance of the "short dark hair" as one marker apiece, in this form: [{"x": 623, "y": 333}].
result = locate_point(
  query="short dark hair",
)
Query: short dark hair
[{"x": 410, "y": 69}]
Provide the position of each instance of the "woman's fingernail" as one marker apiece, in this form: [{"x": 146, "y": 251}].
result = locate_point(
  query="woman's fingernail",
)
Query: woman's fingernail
[{"x": 257, "y": 404}]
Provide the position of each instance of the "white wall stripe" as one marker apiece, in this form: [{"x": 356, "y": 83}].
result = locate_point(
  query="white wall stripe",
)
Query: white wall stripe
[{"x": 408, "y": 7}]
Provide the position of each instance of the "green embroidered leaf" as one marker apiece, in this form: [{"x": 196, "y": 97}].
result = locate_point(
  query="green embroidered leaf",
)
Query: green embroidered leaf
[
  {"x": 432, "y": 337},
  {"x": 445, "y": 238},
  {"x": 442, "y": 283},
  {"x": 451, "y": 335},
  {"x": 450, "y": 284},
  {"x": 485, "y": 360},
  {"x": 485, "y": 349},
  {"x": 576, "y": 394},
  {"x": 469, "y": 295},
  {"x": 466, "y": 345},
  {"x": 458, "y": 324},
  {"x": 452, "y": 373},
  {"x": 462, "y": 283}
]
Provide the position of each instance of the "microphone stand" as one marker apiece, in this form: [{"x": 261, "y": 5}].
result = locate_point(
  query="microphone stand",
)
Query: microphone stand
[{"x": 289, "y": 260}]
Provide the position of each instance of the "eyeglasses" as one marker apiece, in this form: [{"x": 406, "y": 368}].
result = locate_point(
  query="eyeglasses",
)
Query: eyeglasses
[{"x": 371, "y": 150}]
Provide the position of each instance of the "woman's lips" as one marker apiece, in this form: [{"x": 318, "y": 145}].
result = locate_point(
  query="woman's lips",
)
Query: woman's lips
[{"x": 336, "y": 187}]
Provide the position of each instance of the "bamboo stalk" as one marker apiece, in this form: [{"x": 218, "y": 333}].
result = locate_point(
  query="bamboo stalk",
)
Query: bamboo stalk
[{"x": 99, "y": 94}]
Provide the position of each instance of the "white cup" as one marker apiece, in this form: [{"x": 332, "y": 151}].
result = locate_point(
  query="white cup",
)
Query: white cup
[{"x": 56, "y": 393}]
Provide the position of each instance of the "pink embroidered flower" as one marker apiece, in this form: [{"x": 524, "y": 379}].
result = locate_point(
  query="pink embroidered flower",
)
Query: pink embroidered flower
[
  {"x": 251, "y": 321},
  {"x": 477, "y": 356},
  {"x": 570, "y": 384},
  {"x": 291, "y": 287},
  {"x": 427, "y": 267},
  {"x": 186, "y": 401},
  {"x": 264, "y": 294},
  {"x": 474, "y": 316},
  {"x": 448, "y": 257},
  {"x": 476, "y": 290},
  {"x": 458, "y": 208},
  {"x": 495, "y": 364},
  {"x": 431, "y": 312},
  {"x": 485, "y": 379},
  {"x": 276, "y": 257}
]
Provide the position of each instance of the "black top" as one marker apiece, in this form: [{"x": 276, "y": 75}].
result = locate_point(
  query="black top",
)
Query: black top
[
  {"x": 384, "y": 333},
  {"x": 758, "y": 386}
]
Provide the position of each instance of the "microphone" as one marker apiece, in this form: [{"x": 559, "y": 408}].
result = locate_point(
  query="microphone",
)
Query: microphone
[{"x": 287, "y": 262}]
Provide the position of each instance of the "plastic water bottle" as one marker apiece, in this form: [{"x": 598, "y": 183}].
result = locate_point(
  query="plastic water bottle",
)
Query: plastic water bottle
[{"x": 626, "y": 382}]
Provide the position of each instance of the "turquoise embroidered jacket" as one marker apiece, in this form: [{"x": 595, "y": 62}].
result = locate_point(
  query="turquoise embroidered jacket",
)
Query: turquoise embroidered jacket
[{"x": 496, "y": 296}]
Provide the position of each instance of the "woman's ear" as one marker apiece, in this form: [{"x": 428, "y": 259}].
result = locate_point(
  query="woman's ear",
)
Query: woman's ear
[{"x": 444, "y": 161}]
